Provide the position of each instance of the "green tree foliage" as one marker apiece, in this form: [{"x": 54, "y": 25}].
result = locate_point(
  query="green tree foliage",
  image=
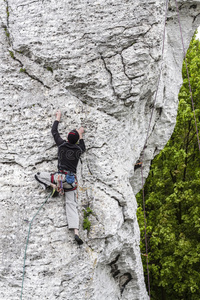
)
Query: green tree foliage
[{"x": 172, "y": 196}]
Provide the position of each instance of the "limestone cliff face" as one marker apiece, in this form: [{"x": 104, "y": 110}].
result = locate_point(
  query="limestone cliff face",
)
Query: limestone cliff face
[{"x": 98, "y": 61}]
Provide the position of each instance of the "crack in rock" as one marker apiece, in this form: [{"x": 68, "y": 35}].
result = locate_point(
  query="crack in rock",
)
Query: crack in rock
[
  {"x": 111, "y": 77},
  {"x": 28, "y": 3},
  {"x": 23, "y": 70},
  {"x": 96, "y": 147},
  {"x": 12, "y": 52}
]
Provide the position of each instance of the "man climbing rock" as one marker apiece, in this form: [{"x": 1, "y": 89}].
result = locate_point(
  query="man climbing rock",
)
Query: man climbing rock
[{"x": 64, "y": 181}]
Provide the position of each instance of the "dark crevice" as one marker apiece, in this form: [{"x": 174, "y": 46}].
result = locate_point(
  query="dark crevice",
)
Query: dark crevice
[
  {"x": 11, "y": 163},
  {"x": 6, "y": 27},
  {"x": 155, "y": 151},
  {"x": 151, "y": 106},
  {"x": 96, "y": 147},
  {"x": 138, "y": 76},
  {"x": 124, "y": 280},
  {"x": 88, "y": 166},
  {"x": 51, "y": 147},
  {"x": 66, "y": 225},
  {"x": 154, "y": 59},
  {"x": 120, "y": 205},
  {"x": 21, "y": 5},
  {"x": 124, "y": 68},
  {"x": 115, "y": 260},
  {"x": 7, "y": 12},
  {"x": 181, "y": 6},
  {"x": 37, "y": 79},
  {"x": 44, "y": 160},
  {"x": 114, "y": 268},
  {"x": 193, "y": 6},
  {"x": 151, "y": 26},
  {"x": 115, "y": 198},
  {"x": 194, "y": 18},
  {"x": 159, "y": 110}
]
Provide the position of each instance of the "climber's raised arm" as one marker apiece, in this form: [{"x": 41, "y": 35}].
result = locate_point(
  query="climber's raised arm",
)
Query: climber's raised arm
[
  {"x": 81, "y": 141},
  {"x": 54, "y": 130}
]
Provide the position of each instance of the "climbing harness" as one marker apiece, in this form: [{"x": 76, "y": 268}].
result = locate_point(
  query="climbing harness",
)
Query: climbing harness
[
  {"x": 65, "y": 180},
  {"x": 27, "y": 240}
]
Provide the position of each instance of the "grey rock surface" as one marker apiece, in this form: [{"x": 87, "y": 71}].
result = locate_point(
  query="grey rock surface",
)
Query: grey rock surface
[{"x": 98, "y": 62}]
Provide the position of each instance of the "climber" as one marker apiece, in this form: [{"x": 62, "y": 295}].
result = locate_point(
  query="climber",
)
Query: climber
[{"x": 64, "y": 181}]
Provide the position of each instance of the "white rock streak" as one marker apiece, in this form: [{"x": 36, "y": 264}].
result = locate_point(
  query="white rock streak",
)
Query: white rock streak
[{"x": 98, "y": 61}]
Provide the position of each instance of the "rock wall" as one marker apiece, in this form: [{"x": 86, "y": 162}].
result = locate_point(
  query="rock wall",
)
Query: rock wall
[{"x": 98, "y": 62}]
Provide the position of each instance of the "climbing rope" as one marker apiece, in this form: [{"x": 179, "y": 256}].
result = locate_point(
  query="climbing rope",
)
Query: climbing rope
[
  {"x": 189, "y": 83},
  {"x": 27, "y": 240},
  {"x": 147, "y": 136}
]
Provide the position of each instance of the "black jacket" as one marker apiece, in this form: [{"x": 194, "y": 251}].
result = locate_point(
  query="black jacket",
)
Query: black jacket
[{"x": 68, "y": 154}]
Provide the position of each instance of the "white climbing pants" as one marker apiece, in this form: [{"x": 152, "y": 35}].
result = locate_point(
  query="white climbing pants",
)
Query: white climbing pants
[
  {"x": 44, "y": 178},
  {"x": 71, "y": 209}
]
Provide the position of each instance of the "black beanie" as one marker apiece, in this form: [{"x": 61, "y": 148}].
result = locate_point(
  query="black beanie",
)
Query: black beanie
[{"x": 73, "y": 137}]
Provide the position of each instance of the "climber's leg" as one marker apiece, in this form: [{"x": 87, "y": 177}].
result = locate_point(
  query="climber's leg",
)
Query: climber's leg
[
  {"x": 72, "y": 214},
  {"x": 71, "y": 210},
  {"x": 44, "y": 179}
]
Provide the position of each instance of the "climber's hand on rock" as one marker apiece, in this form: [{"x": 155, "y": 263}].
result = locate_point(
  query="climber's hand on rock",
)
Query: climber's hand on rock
[
  {"x": 81, "y": 131},
  {"x": 58, "y": 115}
]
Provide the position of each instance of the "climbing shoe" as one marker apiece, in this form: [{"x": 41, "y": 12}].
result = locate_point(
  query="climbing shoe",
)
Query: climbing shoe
[{"x": 78, "y": 240}]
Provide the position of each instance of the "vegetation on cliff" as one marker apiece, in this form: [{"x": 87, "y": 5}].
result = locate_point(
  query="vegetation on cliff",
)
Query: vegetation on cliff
[{"x": 173, "y": 200}]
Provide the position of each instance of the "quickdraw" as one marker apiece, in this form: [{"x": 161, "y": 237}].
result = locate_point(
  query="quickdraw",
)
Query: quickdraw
[{"x": 60, "y": 189}]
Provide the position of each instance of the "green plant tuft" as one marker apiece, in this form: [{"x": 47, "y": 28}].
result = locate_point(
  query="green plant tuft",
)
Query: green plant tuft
[
  {"x": 49, "y": 69},
  {"x": 22, "y": 70},
  {"x": 86, "y": 222},
  {"x": 6, "y": 32},
  {"x": 12, "y": 54},
  {"x": 87, "y": 212}
]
